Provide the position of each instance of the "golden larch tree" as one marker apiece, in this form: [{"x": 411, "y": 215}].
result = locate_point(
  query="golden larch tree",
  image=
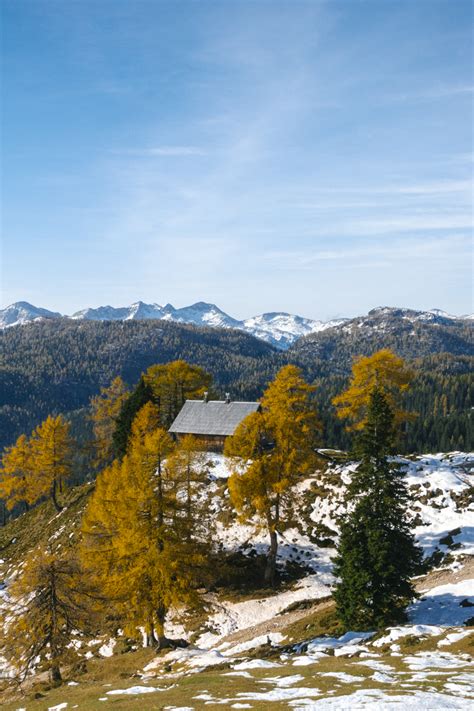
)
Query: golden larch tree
[
  {"x": 187, "y": 467},
  {"x": 278, "y": 446},
  {"x": 51, "y": 459},
  {"x": 146, "y": 421},
  {"x": 104, "y": 410},
  {"x": 16, "y": 472},
  {"x": 48, "y": 602},
  {"x": 383, "y": 370},
  {"x": 174, "y": 383},
  {"x": 131, "y": 544}
]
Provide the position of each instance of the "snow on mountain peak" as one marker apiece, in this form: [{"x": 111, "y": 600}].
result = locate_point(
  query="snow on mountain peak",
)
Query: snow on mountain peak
[
  {"x": 278, "y": 328},
  {"x": 22, "y": 312}
]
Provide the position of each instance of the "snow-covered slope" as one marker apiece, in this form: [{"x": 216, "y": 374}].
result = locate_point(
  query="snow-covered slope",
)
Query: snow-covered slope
[
  {"x": 139, "y": 310},
  {"x": 279, "y": 329},
  {"x": 282, "y": 329},
  {"x": 22, "y": 312},
  {"x": 201, "y": 314},
  {"x": 422, "y": 664}
]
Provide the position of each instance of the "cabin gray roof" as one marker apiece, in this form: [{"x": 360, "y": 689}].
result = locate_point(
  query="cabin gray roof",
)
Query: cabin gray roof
[{"x": 215, "y": 417}]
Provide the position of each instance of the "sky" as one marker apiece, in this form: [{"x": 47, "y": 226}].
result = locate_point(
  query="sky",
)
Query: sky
[{"x": 305, "y": 156}]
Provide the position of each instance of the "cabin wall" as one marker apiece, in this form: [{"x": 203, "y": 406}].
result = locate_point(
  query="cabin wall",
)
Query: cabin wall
[{"x": 208, "y": 443}]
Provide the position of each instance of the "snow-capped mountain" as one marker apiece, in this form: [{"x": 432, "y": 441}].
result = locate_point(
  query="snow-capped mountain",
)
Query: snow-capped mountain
[
  {"x": 278, "y": 328},
  {"x": 139, "y": 310},
  {"x": 201, "y": 314},
  {"x": 387, "y": 318},
  {"x": 22, "y": 312},
  {"x": 283, "y": 329}
]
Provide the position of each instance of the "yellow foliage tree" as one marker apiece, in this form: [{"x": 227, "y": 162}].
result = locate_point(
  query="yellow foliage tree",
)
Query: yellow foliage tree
[
  {"x": 146, "y": 420},
  {"x": 131, "y": 544},
  {"x": 49, "y": 601},
  {"x": 173, "y": 383},
  {"x": 39, "y": 466},
  {"x": 15, "y": 473},
  {"x": 105, "y": 408},
  {"x": 186, "y": 465},
  {"x": 271, "y": 451},
  {"x": 383, "y": 370},
  {"x": 51, "y": 448}
]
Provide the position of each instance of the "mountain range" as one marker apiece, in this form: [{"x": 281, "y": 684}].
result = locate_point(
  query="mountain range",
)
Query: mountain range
[{"x": 280, "y": 329}]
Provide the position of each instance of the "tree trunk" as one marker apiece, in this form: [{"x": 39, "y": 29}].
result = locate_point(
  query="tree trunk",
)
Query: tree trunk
[
  {"x": 162, "y": 641},
  {"x": 188, "y": 502},
  {"x": 150, "y": 636},
  {"x": 270, "y": 569},
  {"x": 55, "y": 673},
  {"x": 57, "y": 506}
]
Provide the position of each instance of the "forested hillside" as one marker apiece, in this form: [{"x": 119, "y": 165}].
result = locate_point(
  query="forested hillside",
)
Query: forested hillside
[
  {"x": 57, "y": 366},
  {"x": 440, "y": 351}
]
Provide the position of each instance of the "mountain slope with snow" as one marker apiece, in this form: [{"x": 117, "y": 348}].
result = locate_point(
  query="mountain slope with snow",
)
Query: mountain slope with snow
[
  {"x": 280, "y": 329},
  {"x": 22, "y": 312},
  {"x": 280, "y": 649}
]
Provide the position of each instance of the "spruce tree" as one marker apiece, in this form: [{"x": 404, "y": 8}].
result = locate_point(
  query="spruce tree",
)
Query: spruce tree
[
  {"x": 130, "y": 407},
  {"x": 377, "y": 555}
]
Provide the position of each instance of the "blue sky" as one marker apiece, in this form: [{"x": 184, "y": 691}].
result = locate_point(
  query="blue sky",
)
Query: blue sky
[{"x": 312, "y": 157}]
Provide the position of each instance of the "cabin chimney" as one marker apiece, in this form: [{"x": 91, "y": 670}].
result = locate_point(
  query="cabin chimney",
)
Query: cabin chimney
[
  {"x": 206, "y": 396},
  {"x": 227, "y": 398}
]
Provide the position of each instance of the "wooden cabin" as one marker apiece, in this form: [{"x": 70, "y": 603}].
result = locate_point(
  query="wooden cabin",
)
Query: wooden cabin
[{"x": 211, "y": 421}]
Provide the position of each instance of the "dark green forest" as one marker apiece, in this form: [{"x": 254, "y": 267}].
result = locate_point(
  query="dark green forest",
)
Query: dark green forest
[{"x": 57, "y": 366}]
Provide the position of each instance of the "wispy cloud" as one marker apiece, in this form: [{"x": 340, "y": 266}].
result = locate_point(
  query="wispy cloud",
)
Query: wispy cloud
[
  {"x": 166, "y": 151},
  {"x": 433, "y": 93},
  {"x": 408, "y": 250},
  {"x": 422, "y": 188}
]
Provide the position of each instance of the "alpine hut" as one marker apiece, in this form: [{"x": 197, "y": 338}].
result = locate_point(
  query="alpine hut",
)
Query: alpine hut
[{"x": 211, "y": 421}]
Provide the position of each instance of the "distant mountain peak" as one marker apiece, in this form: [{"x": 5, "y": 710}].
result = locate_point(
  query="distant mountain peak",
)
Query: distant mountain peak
[{"x": 22, "y": 312}]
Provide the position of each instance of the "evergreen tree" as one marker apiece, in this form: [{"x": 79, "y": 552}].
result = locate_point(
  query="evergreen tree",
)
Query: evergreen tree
[
  {"x": 278, "y": 442},
  {"x": 377, "y": 555},
  {"x": 130, "y": 407},
  {"x": 49, "y": 601}
]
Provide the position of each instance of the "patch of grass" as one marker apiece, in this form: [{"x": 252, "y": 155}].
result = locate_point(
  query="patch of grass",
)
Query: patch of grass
[
  {"x": 122, "y": 671},
  {"x": 41, "y": 525},
  {"x": 317, "y": 623}
]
